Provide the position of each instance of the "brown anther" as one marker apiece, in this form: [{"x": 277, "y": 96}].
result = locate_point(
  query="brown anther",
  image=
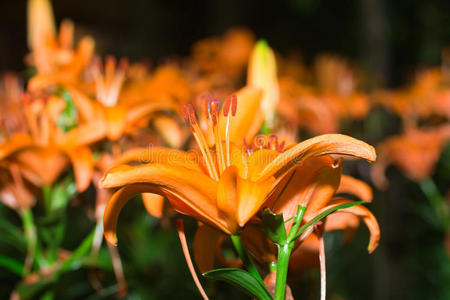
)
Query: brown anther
[
  {"x": 280, "y": 147},
  {"x": 273, "y": 142},
  {"x": 226, "y": 107},
  {"x": 245, "y": 147},
  {"x": 110, "y": 61},
  {"x": 233, "y": 104},
  {"x": 213, "y": 110},
  {"x": 124, "y": 63},
  {"x": 185, "y": 112},
  {"x": 191, "y": 114}
]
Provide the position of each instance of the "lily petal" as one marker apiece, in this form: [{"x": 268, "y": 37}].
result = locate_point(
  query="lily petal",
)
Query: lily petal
[
  {"x": 248, "y": 119},
  {"x": 84, "y": 134},
  {"x": 227, "y": 200},
  {"x": 251, "y": 196},
  {"x": 321, "y": 145},
  {"x": 359, "y": 188},
  {"x": 188, "y": 191},
  {"x": 161, "y": 155},
  {"x": 206, "y": 240},
  {"x": 15, "y": 143},
  {"x": 83, "y": 166},
  {"x": 153, "y": 203},
  {"x": 262, "y": 73},
  {"x": 312, "y": 185},
  {"x": 361, "y": 212}
]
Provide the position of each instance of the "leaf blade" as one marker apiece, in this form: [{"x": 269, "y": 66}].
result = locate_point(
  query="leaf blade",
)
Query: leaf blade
[{"x": 241, "y": 279}]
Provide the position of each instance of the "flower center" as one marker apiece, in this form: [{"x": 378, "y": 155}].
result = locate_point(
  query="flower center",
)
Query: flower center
[
  {"x": 109, "y": 83},
  {"x": 212, "y": 108}
]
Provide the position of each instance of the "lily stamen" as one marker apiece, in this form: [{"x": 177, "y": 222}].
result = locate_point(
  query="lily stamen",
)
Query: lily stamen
[
  {"x": 212, "y": 112},
  {"x": 230, "y": 102},
  {"x": 109, "y": 84},
  {"x": 189, "y": 117}
]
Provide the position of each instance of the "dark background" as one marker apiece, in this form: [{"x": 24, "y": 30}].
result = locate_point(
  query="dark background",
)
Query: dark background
[{"x": 388, "y": 38}]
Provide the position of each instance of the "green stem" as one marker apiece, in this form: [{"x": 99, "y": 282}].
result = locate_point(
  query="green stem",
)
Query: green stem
[
  {"x": 284, "y": 252},
  {"x": 297, "y": 222},
  {"x": 47, "y": 193},
  {"x": 437, "y": 201},
  {"x": 248, "y": 262},
  {"x": 273, "y": 266},
  {"x": 30, "y": 234}
]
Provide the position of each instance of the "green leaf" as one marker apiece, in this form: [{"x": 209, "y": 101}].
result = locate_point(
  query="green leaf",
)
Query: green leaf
[
  {"x": 12, "y": 235},
  {"x": 30, "y": 291},
  {"x": 241, "y": 279},
  {"x": 79, "y": 255},
  {"x": 67, "y": 120},
  {"x": 11, "y": 264},
  {"x": 324, "y": 214},
  {"x": 274, "y": 226}
]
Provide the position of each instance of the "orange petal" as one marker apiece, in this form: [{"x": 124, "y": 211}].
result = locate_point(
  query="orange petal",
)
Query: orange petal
[
  {"x": 262, "y": 73},
  {"x": 170, "y": 131},
  {"x": 160, "y": 155},
  {"x": 343, "y": 221},
  {"x": 84, "y": 134},
  {"x": 251, "y": 197},
  {"x": 359, "y": 188},
  {"x": 361, "y": 212},
  {"x": 115, "y": 205},
  {"x": 115, "y": 118},
  {"x": 227, "y": 200},
  {"x": 146, "y": 108},
  {"x": 43, "y": 164},
  {"x": 205, "y": 242},
  {"x": 313, "y": 185},
  {"x": 248, "y": 119},
  {"x": 305, "y": 255},
  {"x": 257, "y": 244},
  {"x": 153, "y": 203},
  {"x": 15, "y": 143},
  {"x": 83, "y": 166},
  {"x": 321, "y": 145},
  {"x": 87, "y": 108},
  {"x": 41, "y": 24},
  {"x": 190, "y": 192}
]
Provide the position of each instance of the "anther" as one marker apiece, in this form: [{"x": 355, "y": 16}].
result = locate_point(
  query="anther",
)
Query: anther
[
  {"x": 273, "y": 142},
  {"x": 185, "y": 112},
  {"x": 233, "y": 104},
  {"x": 191, "y": 114},
  {"x": 213, "y": 110},
  {"x": 280, "y": 147}
]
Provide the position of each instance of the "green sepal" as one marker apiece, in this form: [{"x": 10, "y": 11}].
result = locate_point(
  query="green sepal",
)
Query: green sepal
[{"x": 274, "y": 226}]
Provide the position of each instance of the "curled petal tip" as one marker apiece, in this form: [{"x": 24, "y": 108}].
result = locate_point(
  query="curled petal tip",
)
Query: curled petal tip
[
  {"x": 373, "y": 156},
  {"x": 371, "y": 247},
  {"x": 111, "y": 238}
]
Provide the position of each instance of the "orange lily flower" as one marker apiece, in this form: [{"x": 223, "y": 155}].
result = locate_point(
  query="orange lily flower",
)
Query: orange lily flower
[
  {"x": 14, "y": 192},
  {"x": 46, "y": 150},
  {"x": 227, "y": 54},
  {"x": 315, "y": 185},
  {"x": 416, "y": 152},
  {"x": 227, "y": 187},
  {"x": 53, "y": 56},
  {"x": 113, "y": 118}
]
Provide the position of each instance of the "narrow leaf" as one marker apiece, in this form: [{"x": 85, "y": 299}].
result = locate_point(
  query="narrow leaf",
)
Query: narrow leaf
[
  {"x": 324, "y": 214},
  {"x": 11, "y": 264},
  {"x": 241, "y": 279}
]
